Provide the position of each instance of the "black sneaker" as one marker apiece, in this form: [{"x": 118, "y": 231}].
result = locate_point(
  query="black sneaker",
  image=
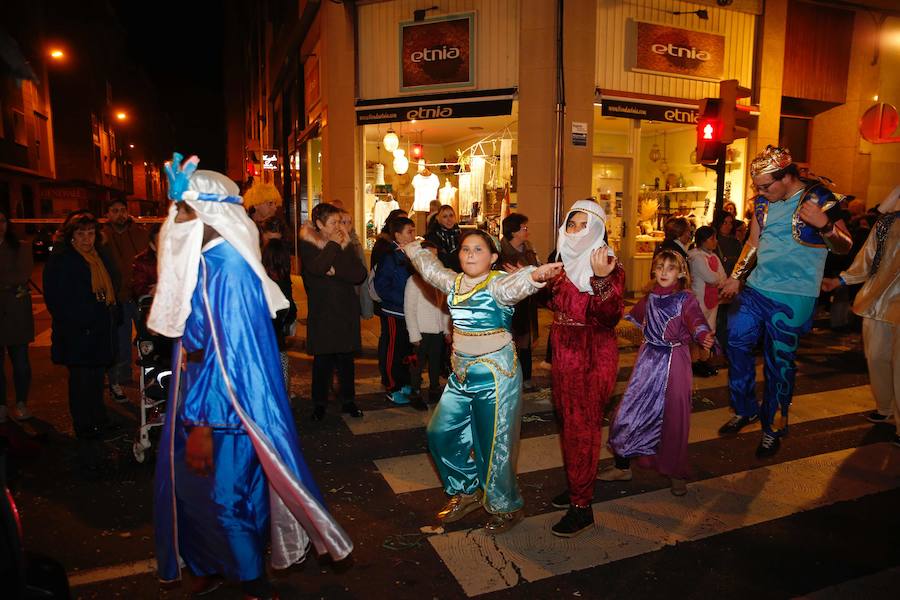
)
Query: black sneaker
[
  {"x": 351, "y": 409},
  {"x": 876, "y": 417},
  {"x": 736, "y": 424},
  {"x": 561, "y": 501},
  {"x": 318, "y": 413},
  {"x": 768, "y": 446},
  {"x": 574, "y": 522}
]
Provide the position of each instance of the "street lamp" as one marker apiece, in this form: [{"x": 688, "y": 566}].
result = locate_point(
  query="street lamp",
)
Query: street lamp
[
  {"x": 121, "y": 115},
  {"x": 57, "y": 54}
]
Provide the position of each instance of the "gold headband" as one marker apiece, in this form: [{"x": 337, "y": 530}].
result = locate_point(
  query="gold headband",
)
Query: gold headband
[{"x": 770, "y": 160}]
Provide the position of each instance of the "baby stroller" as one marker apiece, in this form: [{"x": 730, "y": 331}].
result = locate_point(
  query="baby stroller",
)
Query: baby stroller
[{"x": 155, "y": 362}]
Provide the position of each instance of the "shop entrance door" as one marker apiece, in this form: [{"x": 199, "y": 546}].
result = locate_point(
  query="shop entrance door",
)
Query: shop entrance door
[{"x": 613, "y": 187}]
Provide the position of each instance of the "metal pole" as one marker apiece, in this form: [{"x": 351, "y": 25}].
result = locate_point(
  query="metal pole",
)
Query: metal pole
[
  {"x": 560, "y": 124},
  {"x": 720, "y": 182}
]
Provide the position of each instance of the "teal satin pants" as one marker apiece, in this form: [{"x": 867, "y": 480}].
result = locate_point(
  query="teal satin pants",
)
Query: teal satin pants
[{"x": 474, "y": 432}]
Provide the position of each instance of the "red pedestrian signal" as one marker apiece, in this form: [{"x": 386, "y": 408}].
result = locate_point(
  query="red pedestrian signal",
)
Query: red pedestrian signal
[{"x": 709, "y": 132}]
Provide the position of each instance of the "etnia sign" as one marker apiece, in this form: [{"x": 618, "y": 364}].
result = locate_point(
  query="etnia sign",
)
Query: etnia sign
[
  {"x": 676, "y": 52},
  {"x": 438, "y": 53}
]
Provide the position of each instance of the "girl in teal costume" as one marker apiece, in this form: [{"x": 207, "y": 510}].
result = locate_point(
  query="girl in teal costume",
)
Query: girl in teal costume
[{"x": 474, "y": 432}]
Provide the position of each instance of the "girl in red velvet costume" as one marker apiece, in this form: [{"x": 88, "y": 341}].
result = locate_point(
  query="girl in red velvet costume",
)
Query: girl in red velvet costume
[{"x": 587, "y": 304}]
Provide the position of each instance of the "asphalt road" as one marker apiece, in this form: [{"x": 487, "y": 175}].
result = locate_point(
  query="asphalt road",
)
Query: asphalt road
[{"x": 819, "y": 519}]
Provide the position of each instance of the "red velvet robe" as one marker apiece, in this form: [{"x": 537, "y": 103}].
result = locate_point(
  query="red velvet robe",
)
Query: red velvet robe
[{"x": 585, "y": 363}]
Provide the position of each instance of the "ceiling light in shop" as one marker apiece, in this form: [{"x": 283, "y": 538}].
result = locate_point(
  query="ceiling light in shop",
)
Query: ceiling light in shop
[
  {"x": 654, "y": 153},
  {"x": 391, "y": 141},
  {"x": 416, "y": 151},
  {"x": 401, "y": 163}
]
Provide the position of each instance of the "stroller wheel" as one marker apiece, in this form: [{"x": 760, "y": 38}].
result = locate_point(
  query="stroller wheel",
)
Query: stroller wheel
[{"x": 140, "y": 453}]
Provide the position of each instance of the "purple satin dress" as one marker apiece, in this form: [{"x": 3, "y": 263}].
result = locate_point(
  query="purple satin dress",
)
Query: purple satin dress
[{"x": 653, "y": 420}]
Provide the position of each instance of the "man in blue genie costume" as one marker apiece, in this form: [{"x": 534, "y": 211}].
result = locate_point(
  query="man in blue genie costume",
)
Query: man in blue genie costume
[
  {"x": 797, "y": 222},
  {"x": 230, "y": 477}
]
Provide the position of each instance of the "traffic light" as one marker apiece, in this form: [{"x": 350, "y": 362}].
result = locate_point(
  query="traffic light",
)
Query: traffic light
[
  {"x": 709, "y": 132},
  {"x": 730, "y": 112}
]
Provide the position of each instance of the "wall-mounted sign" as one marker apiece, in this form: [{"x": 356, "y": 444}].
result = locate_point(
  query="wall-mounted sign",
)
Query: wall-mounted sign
[
  {"x": 421, "y": 112},
  {"x": 438, "y": 53},
  {"x": 648, "y": 112},
  {"x": 270, "y": 160},
  {"x": 673, "y": 51},
  {"x": 579, "y": 133}
]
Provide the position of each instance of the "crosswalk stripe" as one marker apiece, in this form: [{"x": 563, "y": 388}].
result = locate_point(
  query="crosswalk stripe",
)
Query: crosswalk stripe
[
  {"x": 416, "y": 472},
  {"x": 42, "y": 340},
  {"x": 399, "y": 418},
  {"x": 642, "y": 523}
]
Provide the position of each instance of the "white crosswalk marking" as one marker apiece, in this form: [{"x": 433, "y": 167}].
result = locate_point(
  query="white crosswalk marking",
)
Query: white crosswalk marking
[
  {"x": 416, "y": 471},
  {"x": 642, "y": 523}
]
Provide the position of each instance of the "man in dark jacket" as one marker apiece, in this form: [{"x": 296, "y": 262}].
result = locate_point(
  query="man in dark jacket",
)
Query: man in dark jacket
[
  {"x": 330, "y": 269},
  {"x": 124, "y": 240},
  {"x": 394, "y": 349}
]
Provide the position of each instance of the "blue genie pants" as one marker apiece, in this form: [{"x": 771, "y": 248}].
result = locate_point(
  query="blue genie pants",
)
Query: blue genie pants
[
  {"x": 474, "y": 432},
  {"x": 780, "y": 319},
  {"x": 223, "y": 519}
]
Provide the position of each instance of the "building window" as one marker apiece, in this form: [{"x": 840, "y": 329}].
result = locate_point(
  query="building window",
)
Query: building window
[{"x": 20, "y": 134}]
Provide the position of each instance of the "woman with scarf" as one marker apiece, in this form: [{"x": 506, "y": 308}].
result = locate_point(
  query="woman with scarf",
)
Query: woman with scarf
[
  {"x": 79, "y": 288},
  {"x": 443, "y": 232},
  {"x": 587, "y": 304}
]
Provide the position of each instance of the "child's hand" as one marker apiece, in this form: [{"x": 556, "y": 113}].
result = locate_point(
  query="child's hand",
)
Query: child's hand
[
  {"x": 547, "y": 272},
  {"x": 707, "y": 341},
  {"x": 830, "y": 284},
  {"x": 602, "y": 264}
]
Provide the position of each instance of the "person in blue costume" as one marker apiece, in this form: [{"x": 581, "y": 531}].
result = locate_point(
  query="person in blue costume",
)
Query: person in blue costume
[
  {"x": 474, "y": 432},
  {"x": 797, "y": 222},
  {"x": 230, "y": 478}
]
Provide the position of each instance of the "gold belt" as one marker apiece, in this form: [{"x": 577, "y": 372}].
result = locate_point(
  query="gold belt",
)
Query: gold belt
[
  {"x": 461, "y": 373},
  {"x": 479, "y": 333}
]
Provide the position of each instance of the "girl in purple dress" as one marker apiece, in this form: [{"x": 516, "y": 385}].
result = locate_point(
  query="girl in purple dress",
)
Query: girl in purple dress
[{"x": 653, "y": 419}]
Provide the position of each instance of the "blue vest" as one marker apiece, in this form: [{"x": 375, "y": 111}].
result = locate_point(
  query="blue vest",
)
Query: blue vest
[{"x": 476, "y": 311}]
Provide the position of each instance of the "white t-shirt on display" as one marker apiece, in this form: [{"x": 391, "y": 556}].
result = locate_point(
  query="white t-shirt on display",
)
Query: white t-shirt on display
[{"x": 426, "y": 187}]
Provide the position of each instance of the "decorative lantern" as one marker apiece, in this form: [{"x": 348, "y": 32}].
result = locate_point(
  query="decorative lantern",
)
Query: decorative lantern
[
  {"x": 401, "y": 163},
  {"x": 416, "y": 151},
  {"x": 654, "y": 153},
  {"x": 391, "y": 141}
]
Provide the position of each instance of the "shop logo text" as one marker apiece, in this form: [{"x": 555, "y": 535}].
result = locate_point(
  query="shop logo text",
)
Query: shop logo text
[
  {"x": 434, "y": 112},
  {"x": 435, "y": 54},
  {"x": 681, "y": 52}
]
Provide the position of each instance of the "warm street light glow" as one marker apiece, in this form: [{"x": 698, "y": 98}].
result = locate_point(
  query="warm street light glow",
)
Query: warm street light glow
[
  {"x": 131, "y": 146},
  {"x": 57, "y": 54},
  {"x": 121, "y": 115}
]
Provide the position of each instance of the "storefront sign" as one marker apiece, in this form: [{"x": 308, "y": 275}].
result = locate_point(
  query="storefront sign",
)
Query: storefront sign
[
  {"x": 681, "y": 52},
  {"x": 648, "y": 112},
  {"x": 270, "y": 160},
  {"x": 64, "y": 193},
  {"x": 579, "y": 134},
  {"x": 421, "y": 112},
  {"x": 437, "y": 53}
]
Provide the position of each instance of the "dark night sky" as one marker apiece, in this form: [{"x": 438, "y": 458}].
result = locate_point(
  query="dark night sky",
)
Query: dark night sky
[{"x": 180, "y": 47}]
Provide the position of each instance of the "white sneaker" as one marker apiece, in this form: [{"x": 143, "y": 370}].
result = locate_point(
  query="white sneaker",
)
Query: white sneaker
[
  {"x": 22, "y": 412},
  {"x": 3, "y": 414}
]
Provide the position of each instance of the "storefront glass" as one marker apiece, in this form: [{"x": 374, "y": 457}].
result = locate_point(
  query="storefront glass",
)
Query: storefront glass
[{"x": 469, "y": 163}]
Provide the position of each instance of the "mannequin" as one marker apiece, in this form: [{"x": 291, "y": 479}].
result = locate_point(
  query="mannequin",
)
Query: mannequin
[
  {"x": 426, "y": 186},
  {"x": 447, "y": 194}
]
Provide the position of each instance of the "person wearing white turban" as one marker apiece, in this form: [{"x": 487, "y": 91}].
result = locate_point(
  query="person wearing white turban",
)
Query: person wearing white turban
[
  {"x": 229, "y": 437},
  {"x": 587, "y": 301}
]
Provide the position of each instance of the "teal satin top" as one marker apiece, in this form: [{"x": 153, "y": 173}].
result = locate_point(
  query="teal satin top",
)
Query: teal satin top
[{"x": 476, "y": 311}]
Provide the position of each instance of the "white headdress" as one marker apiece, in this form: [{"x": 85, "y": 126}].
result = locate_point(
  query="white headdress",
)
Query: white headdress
[
  {"x": 216, "y": 200},
  {"x": 574, "y": 249}
]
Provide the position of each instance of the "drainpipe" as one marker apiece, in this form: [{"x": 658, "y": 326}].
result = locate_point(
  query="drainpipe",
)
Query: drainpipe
[{"x": 560, "y": 125}]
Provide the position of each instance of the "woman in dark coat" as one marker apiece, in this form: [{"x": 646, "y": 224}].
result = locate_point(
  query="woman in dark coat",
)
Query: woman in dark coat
[
  {"x": 331, "y": 268},
  {"x": 16, "y": 318},
  {"x": 79, "y": 288},
  {"x": 443, "y": 232},
  {"x": 516, "y": 251}
]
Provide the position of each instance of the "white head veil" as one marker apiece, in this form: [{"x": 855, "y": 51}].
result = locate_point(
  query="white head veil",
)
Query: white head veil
[
  {"x": 180, "y": 249},
  {"x": 574, "y": 249},
  {"x": 891, "y": 202}
]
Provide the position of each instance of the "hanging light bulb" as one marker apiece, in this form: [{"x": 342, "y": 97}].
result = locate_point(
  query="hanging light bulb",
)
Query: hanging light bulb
[
  {"x": 401, "y": 163},
  {"x": 391, "y": 141},
  {"x": 654, "y": 153}
]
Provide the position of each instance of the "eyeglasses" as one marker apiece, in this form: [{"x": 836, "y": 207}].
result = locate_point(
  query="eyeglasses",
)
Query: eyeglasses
[{"x": 764, "y": 187}]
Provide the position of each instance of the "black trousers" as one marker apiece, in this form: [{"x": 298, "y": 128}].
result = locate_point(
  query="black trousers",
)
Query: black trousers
[
  {"x": 21, "y": 372},
  {"x": 394, "y": 351},
  {"x": 430, "y": 350},
  {"x": 86, "y": 399},
  {"x": 324, "y": 366}
]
